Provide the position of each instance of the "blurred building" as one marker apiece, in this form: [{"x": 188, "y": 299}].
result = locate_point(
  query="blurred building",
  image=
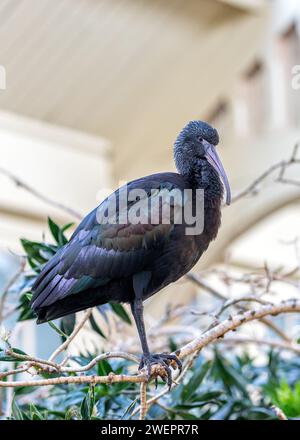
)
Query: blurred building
[{"x": 96, "y": 91}]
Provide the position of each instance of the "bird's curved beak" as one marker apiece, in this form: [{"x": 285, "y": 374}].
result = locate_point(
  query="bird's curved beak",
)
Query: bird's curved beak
[{"x": 213, "y": 158}]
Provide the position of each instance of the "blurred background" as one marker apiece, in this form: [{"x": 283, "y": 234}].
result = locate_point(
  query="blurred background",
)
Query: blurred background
[{"x": 94, "y": 92}]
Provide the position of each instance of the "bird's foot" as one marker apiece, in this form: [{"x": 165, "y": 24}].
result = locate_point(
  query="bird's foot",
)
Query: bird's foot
[{"x": 162, "y": 363}]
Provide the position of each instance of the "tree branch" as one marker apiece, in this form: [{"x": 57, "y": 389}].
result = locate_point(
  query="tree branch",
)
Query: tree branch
[
  {"x": 9, "y": 285},
  {"x": 270, "y": 343},
  {"x": 111, "y": 378},
  {"x": 281, "y": 167},
  {"x": 205, "y": 286},
  {"x": 279, "y": 413},
  {"x": 78, "y": 327},
  {"x": 233, "y": 322},
  {"x": 99, "y": 358},
  {"x": 21, "y": 184},
  {"x": 192, "y": 348}
]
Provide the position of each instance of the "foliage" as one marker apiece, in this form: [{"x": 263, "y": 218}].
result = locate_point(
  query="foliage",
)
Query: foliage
[{"x": 287, "y": 398}]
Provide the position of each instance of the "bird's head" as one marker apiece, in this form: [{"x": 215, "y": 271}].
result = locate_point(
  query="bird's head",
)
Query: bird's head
[{"x": 199, "y": 140}]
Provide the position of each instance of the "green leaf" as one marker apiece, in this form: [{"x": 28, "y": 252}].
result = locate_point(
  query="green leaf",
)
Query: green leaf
[
  {"x": 204, "y": 397},
  {"x": 35, "y": 414},
  {"x": 187, "y": 416},
  {"x": 16, "y": 412},
  {"x": 129, "y": 409},
  {"x": 72, "y": 413},
  {"x": 39, "y": 252},
  {"x": 62, "y": 238},
  {"x": 287, "y": 398},
  {"x": 230, "y": 376},
  {"x": 191, "y": 387},
  {"x": 121, "y": 312},
  {"x": 172, "y": 345},
  {"x": 87, "y": 404},
  {"x": 104, "y": 368},
  {"x": 58, "y": 233},
  {"x": 58, "y": 330},
  {"x": 54, "y": 229},
  {"x": 67, "y": 324},
  {"x": 28, "y": 295},
  {"x": 96, "y": 328},
  {"x": 24, "y": 309},
  {"x": 33, "y": 264},
  {"x": 67, "y": 226},
  {"x": 224, "y": 412}
]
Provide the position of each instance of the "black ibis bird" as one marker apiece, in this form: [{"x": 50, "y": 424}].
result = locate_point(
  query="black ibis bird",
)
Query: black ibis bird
[{"x": 121, "y": 260}]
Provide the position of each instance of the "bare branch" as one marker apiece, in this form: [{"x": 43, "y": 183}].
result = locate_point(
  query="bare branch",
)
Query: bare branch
[
  {"x": 192, "y": 348},
  {"x": 194, "y": 278},
  {"x": 111, "y": 378},
  {"x": 275, "y": 329},
  {"x": 232, "y": 323},
  {"x": 279, "y": 413},
  {"x": 43, "y": 365},
  {"x": 33, "y": 361},
  {"x": 281, "y": 167},
  {"x": 74, "y": 333},
  {"x": 205, "y": 286},
  {"x": 9, "y": 285},
  {"x": 234, "y": 302},
  {"x": 270, "y": 343},
  {"x": 99, "y": 358},
  {"x": 21, "y": 184},
  {"x": 15, "y": 371}
]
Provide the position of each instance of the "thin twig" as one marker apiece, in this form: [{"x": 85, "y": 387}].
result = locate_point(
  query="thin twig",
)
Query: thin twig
[
  {"x": 279, "y": 166},
  {"x": 21, "y": 369},
  {"x": 279, "y": 413},
  {"x": 205, "y": 286},
  {"x": 51, "y": 367},
  {"x": 277, "y": 330},
  {"x": 99, "y": 358},
  {"x": 233, "y": 322},
  {"x": 270, "y": 343},
  {"x": 10, "y": 283},
  {"x": 33, "y": 360},
  {"x": 74, "y": 333},
  {"x": 21, "y": 184},
  {"x": 234, "y": 302}
]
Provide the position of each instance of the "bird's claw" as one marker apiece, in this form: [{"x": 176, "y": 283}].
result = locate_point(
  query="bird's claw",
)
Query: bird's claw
[{"x": 164, "y": 361}]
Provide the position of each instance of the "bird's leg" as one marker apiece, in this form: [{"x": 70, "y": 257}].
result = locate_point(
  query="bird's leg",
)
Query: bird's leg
[
  {"x": 137, "y": 311},
  {"x": 148, "y": 359}
]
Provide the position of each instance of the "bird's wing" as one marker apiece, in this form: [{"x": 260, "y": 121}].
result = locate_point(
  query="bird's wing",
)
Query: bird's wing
[{"x": 100, "y": 250}]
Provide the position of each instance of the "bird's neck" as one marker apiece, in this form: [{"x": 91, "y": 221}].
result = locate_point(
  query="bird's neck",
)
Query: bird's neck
[{"x": 201, "y": 175}]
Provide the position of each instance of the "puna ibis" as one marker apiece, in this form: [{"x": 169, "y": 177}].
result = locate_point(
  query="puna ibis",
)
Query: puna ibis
[{"x": 112, "y": 258}]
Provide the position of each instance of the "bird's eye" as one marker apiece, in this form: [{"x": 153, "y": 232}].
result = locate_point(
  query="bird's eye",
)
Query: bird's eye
[{"x": 200, "y": 139}]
